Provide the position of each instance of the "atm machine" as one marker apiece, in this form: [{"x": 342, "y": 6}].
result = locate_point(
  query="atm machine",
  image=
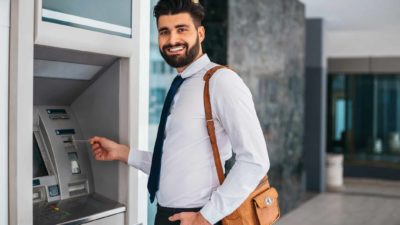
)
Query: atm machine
[
  {"x": 68, "y": 185},
  {"x": 77, "y": 69},
  {"x": 76, "y": 95},
  {"x": 62, "y": 176}
]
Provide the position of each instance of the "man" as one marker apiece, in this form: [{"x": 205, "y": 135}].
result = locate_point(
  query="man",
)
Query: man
[{"x": 183, "y": 176}]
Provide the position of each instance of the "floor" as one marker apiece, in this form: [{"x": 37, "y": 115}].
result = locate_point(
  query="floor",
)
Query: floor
[{"x": 360, "y": 202}]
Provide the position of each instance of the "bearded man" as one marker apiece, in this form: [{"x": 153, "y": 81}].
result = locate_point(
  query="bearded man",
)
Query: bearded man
[{"x": 182, "y": 173}]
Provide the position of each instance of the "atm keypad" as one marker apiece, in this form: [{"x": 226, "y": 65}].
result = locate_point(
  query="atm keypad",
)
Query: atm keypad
[{"x": 54, "y": 191}]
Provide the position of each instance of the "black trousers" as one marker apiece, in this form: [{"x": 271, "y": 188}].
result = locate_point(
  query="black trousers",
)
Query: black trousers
[{"x": 164, "y": 212}]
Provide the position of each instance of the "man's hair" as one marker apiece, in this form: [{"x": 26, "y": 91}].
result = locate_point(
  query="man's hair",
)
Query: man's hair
[{"x": 172, "y": 7}]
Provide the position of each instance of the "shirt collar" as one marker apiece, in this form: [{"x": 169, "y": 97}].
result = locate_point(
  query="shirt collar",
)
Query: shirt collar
[{"x": 196, "y": 66}]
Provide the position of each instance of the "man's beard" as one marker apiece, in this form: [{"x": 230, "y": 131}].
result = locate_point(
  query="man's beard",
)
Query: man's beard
[{"x": 181, "y": 61}]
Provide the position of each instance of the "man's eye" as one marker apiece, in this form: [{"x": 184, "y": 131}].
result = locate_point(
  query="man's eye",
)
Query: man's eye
[
  {"x": 164, "y": 32},
  {"x": 180, "y": 30}
]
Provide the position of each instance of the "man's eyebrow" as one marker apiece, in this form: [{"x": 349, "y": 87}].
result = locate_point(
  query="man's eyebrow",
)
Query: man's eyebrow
[
  {"x": 181, "y": 25},
  {"x": 176, "y": 26},
  {"x": 162, "y": 29}
]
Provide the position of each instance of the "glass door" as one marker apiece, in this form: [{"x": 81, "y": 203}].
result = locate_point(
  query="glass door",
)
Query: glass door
[{"x": 364, "y": 118}]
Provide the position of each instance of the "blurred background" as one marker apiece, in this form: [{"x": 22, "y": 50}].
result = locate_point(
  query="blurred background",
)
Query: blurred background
[{"x": 325, "y": 78}]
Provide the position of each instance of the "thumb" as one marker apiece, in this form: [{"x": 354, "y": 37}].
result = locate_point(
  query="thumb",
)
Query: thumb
[
  {"x": 175, "y": 217},
  {"x": 95, "y": 139}
]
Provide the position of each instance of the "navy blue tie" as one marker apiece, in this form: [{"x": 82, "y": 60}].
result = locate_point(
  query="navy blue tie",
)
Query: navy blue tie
[{"x": 154, "y": 177}]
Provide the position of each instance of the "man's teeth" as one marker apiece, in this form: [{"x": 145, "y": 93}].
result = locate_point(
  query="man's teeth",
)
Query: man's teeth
[{"x": 175, "y": 49}]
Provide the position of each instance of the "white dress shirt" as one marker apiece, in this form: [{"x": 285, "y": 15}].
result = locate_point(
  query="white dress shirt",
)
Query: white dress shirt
[{"x": 188, "y": 177}]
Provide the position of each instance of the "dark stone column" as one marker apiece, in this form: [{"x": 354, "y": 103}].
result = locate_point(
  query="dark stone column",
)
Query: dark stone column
[
  {"x": 315, "y": 105},
  {"x": 266, "y": 47}
]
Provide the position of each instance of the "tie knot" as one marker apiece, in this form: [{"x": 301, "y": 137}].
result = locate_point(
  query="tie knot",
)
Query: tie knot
[{"x": 178, "y": 78}]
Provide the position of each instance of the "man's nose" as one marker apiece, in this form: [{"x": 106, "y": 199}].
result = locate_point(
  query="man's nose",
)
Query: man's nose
[{"x": 174, "y": 38}]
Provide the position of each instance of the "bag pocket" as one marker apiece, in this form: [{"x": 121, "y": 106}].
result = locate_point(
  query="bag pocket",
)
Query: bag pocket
[{"x": 267, "y": 207}]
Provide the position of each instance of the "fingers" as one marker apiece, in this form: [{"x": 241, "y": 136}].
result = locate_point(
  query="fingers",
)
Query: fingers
[
  {"x": 104, "y": 149},
  {"x": 106, "y": 143},
  {"x": 96, "y": 147},
  {"x": 95, "y": 139},
  {"x": 96, "y": 143},
  {"x": 99, "y": 156},
  {"x": 175, "y": 217},
  {"x": 186, "y": 218},
  {"x": 97, "y": 151}
]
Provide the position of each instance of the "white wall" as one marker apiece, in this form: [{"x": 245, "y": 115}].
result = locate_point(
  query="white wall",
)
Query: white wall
[
  {"x": 4, "y": 44},
  {"x": 20, "y": 117},
  {"x": 138, "y": 108},
  {"x": 360, "y": 43},
  {"x": 358, "y": 28}
]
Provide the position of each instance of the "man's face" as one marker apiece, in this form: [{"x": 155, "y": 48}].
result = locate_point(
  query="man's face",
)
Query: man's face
[{"x": 179, "y": 40}]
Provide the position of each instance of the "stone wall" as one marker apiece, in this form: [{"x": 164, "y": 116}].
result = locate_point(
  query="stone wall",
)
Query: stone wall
[{"x": 266, "y": 45}]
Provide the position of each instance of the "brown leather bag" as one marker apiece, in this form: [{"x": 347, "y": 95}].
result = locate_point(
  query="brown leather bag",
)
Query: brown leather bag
[{"x": 261, "y": 207}]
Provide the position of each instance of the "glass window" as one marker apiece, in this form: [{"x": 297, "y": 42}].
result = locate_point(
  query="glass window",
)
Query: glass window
[
  {"x": 112, "y": 17},
  {"x": 340, "y": 120},
  {"x": 364, "y": 117},
  {"x": 160, "y": 79}
]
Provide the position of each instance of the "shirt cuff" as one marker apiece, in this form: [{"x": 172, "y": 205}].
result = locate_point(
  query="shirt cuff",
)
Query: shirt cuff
[
  {"x": 137, "y": 159},
  {"x": 211, "y": 214},
  {"x": 133, "y": 159}
]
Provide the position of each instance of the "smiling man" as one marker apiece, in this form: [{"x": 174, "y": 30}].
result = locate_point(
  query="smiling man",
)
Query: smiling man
[
  {"x": 182, "y": 173},
  {"x": 175, "y": 34}
]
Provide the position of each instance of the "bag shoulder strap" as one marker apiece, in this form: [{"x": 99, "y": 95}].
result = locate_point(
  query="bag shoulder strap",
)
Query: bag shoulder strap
[
  {"x": 211, "y": 127},
  {"x": 210, "y": 122}
]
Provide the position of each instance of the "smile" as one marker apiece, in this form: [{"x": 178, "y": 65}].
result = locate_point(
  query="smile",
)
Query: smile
[{"x": 176, "y": 49}]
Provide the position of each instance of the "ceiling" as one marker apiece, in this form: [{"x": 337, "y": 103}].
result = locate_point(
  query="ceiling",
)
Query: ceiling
[{"x": 364, "y": 15}]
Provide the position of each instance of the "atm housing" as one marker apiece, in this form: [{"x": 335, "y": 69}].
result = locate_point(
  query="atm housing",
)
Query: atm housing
[{"x": 69, "y": 186}]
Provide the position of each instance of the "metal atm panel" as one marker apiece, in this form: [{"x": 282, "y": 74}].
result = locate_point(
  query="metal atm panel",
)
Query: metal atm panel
[
  {"x": 63, "y": 188},
  {"x": 70, "y": 159}
]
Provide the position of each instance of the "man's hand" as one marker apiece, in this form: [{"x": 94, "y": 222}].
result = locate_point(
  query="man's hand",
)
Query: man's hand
[
  {"x": 189, "y": 218},
  {"x": 106, "y": 150}
]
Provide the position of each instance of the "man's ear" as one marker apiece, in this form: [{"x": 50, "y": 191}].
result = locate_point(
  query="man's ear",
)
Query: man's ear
[{"x": 202, "y": 33}]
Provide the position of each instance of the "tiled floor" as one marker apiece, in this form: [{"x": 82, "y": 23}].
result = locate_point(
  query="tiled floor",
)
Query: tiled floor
[{"x": 361, "y": 202}]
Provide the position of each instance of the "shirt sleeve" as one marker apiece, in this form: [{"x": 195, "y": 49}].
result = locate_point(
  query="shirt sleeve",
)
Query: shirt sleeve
[
  {"x": 233, "y": 106},
  {"x": 140, "y": 160}
]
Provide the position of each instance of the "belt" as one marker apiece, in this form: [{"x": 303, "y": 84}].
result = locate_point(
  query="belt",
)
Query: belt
[{"x": 176, "y": 210}]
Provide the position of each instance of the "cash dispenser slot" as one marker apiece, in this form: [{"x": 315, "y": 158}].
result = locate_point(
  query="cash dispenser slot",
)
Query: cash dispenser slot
[
  {"x": 78, "y": 188},
  {"x": 39, "y": 194}
]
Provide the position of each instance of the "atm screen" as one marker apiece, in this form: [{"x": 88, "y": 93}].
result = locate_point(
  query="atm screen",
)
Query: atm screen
[{"x": 39, "y": 169}]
